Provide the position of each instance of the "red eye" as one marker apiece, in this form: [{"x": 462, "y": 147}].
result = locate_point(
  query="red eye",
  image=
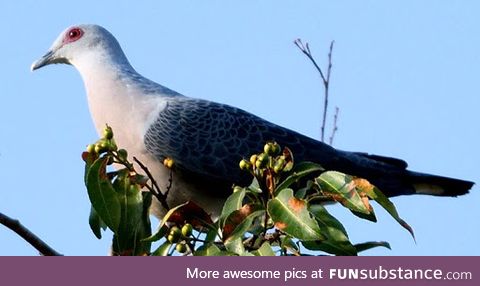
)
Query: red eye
[{"x": 73, "y": 35}]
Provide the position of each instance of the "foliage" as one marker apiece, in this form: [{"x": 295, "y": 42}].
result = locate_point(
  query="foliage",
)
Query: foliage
[{"x": 282, "y": 212}]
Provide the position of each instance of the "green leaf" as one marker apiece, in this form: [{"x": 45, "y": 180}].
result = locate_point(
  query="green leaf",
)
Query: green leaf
[
  {"x": 264, "y": 250},
  {"x": 287, "y": 243},
  {"x": 162, "y": 228},
  {"x": 375, "y": 194},
  {"x": 236, "y": 246},
  {"x": 255, "y": 186},
  {"x": 302, "y": 192},
  {"x": 192, "y": 213},
  {"x": 163, "y": 249},
  {"x": 337, "y": 241},
  {"x": 210, "y": 249},
  {"x": 301, "y": 170},
  {"x": 369, "y": 245},
  {"x": 371, "y": 216},
  {"x": 96, "y": 223},
  {"x": 233, "y": 203},
  {"x": 239, "y": 221},
  {"x": 343, "y": 189},
  {"x": 159, "y": 233},
  {"x": 102, "y": 195},
  {"x": 212, "y": 233},
  {"x": 340, "y": 248},
  {"x": 324, "y": 218},
  {"x": 89, "y": 159},
  {"x": 291, "y": 216},
  {"x": 135, "y": 223}
]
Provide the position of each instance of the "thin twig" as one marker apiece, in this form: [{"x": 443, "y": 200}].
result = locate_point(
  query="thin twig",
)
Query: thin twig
[
  {"x": 329, "y": 71},
  {"x": 28, "y": 236},
  {"x": 170, "y": 183},
  {"x": 162, "y": 198},
  {"x": 335, "y": 127},
  {"x": 327, "y": 85},
  {"x": 306, "y": 50},
  {"x": 325, "y": 79}
]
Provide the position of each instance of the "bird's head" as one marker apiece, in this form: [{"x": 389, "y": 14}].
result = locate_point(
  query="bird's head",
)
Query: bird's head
[{"x": 78, "y": 42}]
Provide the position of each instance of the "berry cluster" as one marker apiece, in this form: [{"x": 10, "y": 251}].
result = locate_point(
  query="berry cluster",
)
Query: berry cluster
[
  {"x": 181, "y": 237},
  {"x": 107, "y": 144},
  {"x": 271, "y": 158}
]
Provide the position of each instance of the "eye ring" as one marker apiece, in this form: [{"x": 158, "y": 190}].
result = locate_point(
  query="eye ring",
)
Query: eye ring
[{"x": 73, "y": 34}]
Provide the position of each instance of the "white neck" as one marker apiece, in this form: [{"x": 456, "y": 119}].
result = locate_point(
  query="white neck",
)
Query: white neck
[{"x": 116, "y": 99}]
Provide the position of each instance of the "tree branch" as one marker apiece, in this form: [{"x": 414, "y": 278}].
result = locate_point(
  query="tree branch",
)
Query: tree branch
[
  {"x": 325, "y": 79},
  {"x": 28, "y": 236},
  {"x": 335, "y": 127},
  {"x": 156, "y": 191}
]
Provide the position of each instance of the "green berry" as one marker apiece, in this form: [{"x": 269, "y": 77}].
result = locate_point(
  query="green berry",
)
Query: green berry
[
  {"x": 244, "y": 165},
  {"x": 181, "y": 248},
  {"x": 288, "y": 167},
  {"x": 104, "y": 145},
  {"x": 253, "y": 159},
  {"x": 262, "y": 160},
  {"x": 112, "y": 145},
  {"x": 276, "y": 148},
  {"x": 174, "y": 235},
  {"x": 268, "y": 148},
  {"x": 108, "y": 132},
  {"x": 279, "y": 164},
  {"x": 171, "y": 239},
  {"x": 123, "y": 154},
  {"x": 100, "y": 148},
  {"x": 91, "y": 148},
  {"x": 187, "y": 230},
  {"x": 271, "y": 148}
]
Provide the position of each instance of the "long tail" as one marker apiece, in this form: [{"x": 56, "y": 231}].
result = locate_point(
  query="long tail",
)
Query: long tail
[{"x": 427, "y": 184}]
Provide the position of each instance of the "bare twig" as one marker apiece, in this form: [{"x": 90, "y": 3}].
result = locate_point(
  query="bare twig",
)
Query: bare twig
[
  {"x": 28, "y": 236},
  {"x": 170, "y": 183},
  {"x": 325, "y": 79},
  {"x": 156, "y": 191},
  {"x": 306, "y": 51},
  {"x": 335, "y": 127}
]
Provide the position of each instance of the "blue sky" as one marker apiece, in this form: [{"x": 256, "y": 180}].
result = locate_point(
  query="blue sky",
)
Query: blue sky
[{"x": 405, "y": 77}]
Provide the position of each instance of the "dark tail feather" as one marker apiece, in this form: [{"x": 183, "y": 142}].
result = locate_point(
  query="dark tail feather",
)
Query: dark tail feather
[{"x": 439, "y": 186}]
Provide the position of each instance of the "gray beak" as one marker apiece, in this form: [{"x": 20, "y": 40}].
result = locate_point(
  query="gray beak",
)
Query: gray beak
[{"x": 47, "y": 59}]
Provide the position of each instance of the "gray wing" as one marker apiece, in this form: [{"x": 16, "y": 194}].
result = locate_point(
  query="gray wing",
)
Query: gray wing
[{"x": 209, "y": 139}]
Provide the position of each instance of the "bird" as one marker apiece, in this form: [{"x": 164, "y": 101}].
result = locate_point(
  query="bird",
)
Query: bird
[{"x": 205, "y": 139}]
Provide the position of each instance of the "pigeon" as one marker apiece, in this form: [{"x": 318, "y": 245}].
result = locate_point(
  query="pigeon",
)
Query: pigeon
[{"x": 205, "y": 139}]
